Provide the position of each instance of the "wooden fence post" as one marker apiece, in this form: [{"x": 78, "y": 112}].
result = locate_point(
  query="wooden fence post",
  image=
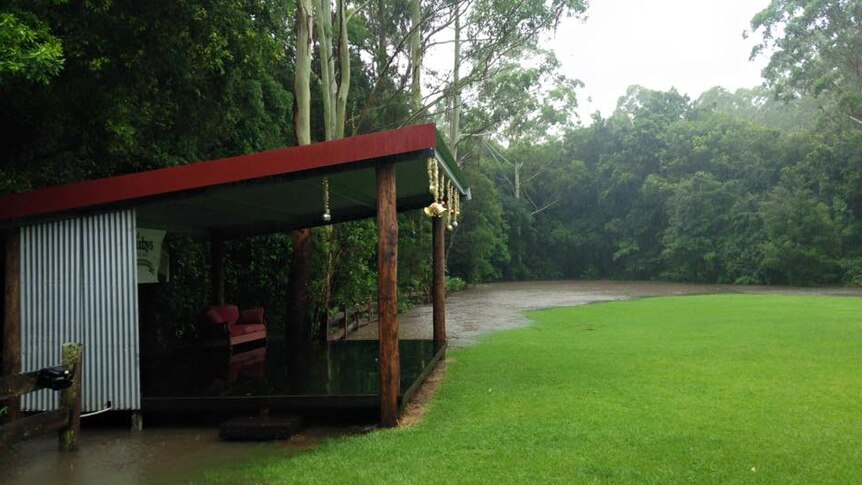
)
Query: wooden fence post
[{"x": 71, "y": 396}]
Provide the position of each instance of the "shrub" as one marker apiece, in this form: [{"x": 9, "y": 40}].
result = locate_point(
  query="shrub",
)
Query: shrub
[{"x": 454, "y": 283}]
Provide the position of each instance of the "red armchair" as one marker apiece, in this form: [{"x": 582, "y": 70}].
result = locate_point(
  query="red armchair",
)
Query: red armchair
[{"x": 240, "y": 328}]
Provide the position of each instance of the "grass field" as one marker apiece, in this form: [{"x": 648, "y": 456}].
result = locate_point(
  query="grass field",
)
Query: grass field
[{"x": 711, "y": 389}]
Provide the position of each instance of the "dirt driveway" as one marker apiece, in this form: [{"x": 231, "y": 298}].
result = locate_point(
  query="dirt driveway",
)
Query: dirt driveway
[{"x": 491, "y": 307}]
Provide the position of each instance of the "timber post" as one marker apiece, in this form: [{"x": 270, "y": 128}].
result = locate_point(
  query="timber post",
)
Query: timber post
[
  {"x": 11, "y": 354},
  {"x": 217, "y": 271},
  {"x": 70, "y": 397},
  {"x": 439, "y": 281},
  {"x": 387, "y": 295}
]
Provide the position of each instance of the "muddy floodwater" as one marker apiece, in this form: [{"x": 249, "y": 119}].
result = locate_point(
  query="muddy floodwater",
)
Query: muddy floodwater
[
  {"x": 498, "y": 306},
  {"x": 178, "y": 455}
]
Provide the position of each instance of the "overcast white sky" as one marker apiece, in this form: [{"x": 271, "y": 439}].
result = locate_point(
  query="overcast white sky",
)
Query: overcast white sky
[{"x": 692, "y": 45}]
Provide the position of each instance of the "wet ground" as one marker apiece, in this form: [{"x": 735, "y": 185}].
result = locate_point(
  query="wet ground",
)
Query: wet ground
[
  {"x": 153, "y": 456},
  {"x": 498, "y": 306},
  {"x": 177, "y": 455}
]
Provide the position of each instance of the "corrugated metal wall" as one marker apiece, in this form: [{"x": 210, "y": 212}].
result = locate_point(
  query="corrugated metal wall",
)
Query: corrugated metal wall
[
  {"x": 79, "y": 284},
  {"x": 50, "y": 308}
]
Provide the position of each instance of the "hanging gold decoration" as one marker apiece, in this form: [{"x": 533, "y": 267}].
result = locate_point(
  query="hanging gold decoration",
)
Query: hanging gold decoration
[
  {"x": 450, "y": 205},
  {"x": 436, "y": 209},
  {"x": 450, "y": 196},
  {"x": 456, "y": 208},
  {"x": 431, "y": 177},
  {"x": 327, "y": 216},
  {"x": 435, "y": 186},
  {"x": 441, "y": 186},
  {"x": 436, "y": 182}
]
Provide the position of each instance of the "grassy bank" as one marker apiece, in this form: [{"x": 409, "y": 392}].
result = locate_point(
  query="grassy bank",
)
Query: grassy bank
[{"x": 742, "y": 389}]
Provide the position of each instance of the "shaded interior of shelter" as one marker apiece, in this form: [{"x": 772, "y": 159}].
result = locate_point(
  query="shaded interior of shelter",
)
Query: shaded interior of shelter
[
  {"x": 253, "y": 377},
  {"x": 336, "y": 375}
]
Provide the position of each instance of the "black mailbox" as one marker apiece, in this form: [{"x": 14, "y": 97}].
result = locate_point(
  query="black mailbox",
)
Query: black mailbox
[{"x": 54, "y": 378}]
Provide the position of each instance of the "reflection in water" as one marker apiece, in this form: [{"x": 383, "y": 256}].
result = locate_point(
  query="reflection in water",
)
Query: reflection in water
[
  {"x": 175, "y": 455},
  {"x": 341, "y": 368},
  {"x": 118, "y": 456}
]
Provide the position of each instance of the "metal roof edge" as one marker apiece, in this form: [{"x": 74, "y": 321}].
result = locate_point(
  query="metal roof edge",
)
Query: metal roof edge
[
  {"x": 18, "y": 208},
  {"x": 450, "y": 165}
]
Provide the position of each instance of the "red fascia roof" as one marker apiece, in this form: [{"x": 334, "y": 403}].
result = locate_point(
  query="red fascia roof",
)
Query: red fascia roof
[{"x": 200, "y": 175}]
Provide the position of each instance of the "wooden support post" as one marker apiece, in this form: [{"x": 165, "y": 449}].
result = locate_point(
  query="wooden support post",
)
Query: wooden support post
[
  {"x": 217, "y": 271},
  {"x": 387, "y": 295},
  {"x": 12, "y": 317},
  {"x": 438, "y": 293},
  {"x": 71, "y": 396}
]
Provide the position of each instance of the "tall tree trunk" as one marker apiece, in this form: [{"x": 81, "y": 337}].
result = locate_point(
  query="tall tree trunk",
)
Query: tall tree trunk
[
  {"x": 300, "y": 265},
  {"x": 380, "y": 54},
  {"x": 416, "y": 55},
  {"x": 323, "y": 17},
  {"x": 334, "y": 93},
  {"x": 302, "y": 73},
  {"x": 344, "y": 70},
  {"x": 455, "y": 113},
  {"x": 517, "y": 180}
]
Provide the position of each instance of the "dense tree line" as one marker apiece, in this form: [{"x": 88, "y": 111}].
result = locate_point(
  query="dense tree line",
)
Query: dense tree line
[
  {"x": 754, "y": 186},
  {"x": 669, "y": 188}
]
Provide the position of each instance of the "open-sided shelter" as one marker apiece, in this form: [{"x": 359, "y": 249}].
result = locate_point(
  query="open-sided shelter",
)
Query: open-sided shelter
[{"x": 71, "y": 268}]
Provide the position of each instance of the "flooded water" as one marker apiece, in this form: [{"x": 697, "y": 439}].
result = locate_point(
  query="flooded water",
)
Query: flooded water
[
  {"x": 342, "y": 368},
  {"x": 498, "y": 306},
  {"x": 123, "y": 457},
  {"x": 179, "y": 455},
  {"x": 153, "y": 456}
]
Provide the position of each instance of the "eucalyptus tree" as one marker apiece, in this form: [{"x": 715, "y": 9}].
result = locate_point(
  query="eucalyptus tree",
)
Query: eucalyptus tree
[
  {"x": 815, "y": 49},
  {"x": 297, "y": 325},
  {"x": 415, "y": 37},
  {"x": 302, "y": 72},
  {"x": 482, "y": 36},
  {"x": 495, "y": 34},
  {"x": 525, "y": 105}
]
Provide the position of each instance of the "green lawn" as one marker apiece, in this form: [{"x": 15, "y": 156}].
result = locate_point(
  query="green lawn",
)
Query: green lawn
[{"x": 711, "y": 389}]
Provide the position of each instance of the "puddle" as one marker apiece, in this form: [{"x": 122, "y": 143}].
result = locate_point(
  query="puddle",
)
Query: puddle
[
  {"x": 106, "y": 456},
  {"x": 497, "y": 306}
]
